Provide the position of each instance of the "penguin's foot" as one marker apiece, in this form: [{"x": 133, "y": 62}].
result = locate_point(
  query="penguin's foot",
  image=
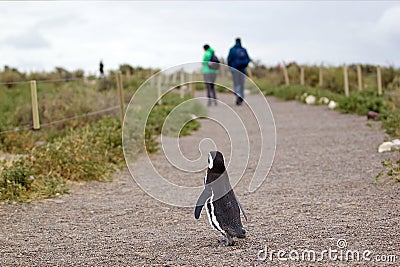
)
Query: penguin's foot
[{"x": 227, "y": 241}]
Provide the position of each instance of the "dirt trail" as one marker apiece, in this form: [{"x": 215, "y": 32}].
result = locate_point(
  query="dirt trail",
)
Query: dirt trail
[{"x": 320, "y": 190}]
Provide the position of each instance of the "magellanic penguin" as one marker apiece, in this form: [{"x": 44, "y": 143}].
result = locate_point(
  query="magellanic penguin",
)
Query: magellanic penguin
[{"x": 222, "y": 206}]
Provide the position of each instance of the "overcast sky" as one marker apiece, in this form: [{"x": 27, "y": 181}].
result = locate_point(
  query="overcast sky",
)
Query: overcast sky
[{"x": 42, "y": 35}]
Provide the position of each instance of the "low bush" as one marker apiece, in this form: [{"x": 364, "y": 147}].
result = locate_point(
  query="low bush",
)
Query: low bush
[
  {"x": 391, "y": 122},
  {"x": 390, "y": 169},
  {"x": 357, "y": 102},
  {"x": 89, "y": 152},
  {"x": 92, "y": 152},
  {"x": 362, "y": 102}
]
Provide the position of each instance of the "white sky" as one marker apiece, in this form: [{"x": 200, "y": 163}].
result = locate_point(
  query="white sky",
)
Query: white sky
[{"x": 42, "y": 35}]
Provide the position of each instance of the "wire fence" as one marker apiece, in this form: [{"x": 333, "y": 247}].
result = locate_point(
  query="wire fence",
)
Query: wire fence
[
  {"x": 35, "y": 107},
  {"x": 176, "y": 78},
  {"x": 92, "y": 113},
  {"x": 35, "y": 110},
  {"x": 44, "y": 81},
  {"x": 17, "y": 129}
]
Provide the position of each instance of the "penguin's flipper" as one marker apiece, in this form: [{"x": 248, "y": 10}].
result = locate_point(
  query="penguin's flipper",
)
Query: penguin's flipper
[
  {"x": 206, "y": 194},
  {"x": 241, "y": 209}
]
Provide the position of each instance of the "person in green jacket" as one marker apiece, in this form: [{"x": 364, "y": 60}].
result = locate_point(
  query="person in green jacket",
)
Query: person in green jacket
[{"x": 209, "y": 75}]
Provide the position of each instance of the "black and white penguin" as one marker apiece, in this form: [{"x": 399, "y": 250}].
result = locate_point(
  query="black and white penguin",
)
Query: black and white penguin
[{"x": 222, "y": 206}]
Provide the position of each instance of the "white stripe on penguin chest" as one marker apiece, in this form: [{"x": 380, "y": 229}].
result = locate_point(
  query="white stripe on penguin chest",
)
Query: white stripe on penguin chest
[{"x": 212, "y": 219}]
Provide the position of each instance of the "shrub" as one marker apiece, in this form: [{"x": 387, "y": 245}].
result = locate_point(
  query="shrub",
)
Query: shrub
[
  {"x": 15, "y": 181},
  {"x": 390, "y": 169},
  {"x": 391, "y": 123},
  {"x": 10, "y": 77},
  {"x": 89, "y": 153},
  {"x": 357, "y": 102},
  {"x": 362, "y": 102}
]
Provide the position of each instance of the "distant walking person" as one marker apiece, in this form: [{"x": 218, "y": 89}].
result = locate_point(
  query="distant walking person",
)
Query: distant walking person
[
  {"x": 101, "y": 68},
  {"x": 238, "y": 60},
  {"x": 210, "y": 74}
]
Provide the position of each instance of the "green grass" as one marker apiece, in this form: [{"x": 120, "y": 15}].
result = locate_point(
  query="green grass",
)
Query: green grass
[
  {"x": 91, "y": 152},
  {"x": 84, "y": 149},
  {"x": 56, "y": 101},
  {"x": 146, "y": 119},
  {"x": 390, "y": 169},
  {"x": 357, "y": 102},
  {"x": 391, "y": 123},
  {"x": 332, "y": 76}
]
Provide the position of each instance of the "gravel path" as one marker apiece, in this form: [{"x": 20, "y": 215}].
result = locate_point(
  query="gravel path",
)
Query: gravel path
[{"x": 320, "y": 191}]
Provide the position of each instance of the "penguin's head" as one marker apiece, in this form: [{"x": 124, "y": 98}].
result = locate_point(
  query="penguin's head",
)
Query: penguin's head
[{"x": 216, "y": 162}]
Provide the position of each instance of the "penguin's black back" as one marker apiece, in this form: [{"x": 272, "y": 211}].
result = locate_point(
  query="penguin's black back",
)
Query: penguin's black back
[
  {"x": 227, "y": 213},
  {"x": 222, "y": 205}
]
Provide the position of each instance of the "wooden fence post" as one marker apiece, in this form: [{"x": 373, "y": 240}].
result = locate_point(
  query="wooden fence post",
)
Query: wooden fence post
[
  {"x": 191, "y": 85},
  {"x": 121, "y": 95},
  {"x": 35, "y": 107},
  {"x": 359, "y": 77},
  {"x": 159, "y": 89},
  {"x": 174, "y": 77},
  {"x": 222, "y": 71},
  {"x": 166, "y": 79},
  {"x": 250, "y": 73},
  {"x": 302, "y": 81},
  {"x": 321, "y": 77},
  {"x": 152, "y": 81},
  {"x": 285, "y": 73},
  {"x": 181, "y": 82},
  {"x": 379, "y": 79},
  {"x": 346, "y": 80}
]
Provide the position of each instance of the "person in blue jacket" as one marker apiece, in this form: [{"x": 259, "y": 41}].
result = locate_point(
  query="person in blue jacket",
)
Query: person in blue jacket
[{"x": 238, "y": 60}]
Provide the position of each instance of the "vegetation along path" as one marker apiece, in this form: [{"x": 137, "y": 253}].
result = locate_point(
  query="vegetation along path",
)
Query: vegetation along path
[{"x": 319, "y": 195}]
